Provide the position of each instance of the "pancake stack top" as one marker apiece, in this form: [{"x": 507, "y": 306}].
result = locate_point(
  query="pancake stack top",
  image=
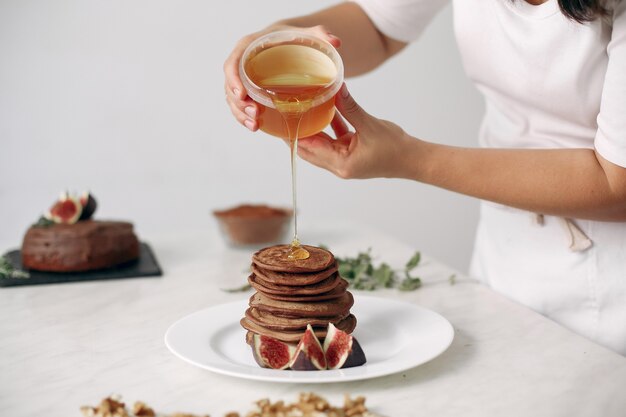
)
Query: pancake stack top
[{"x": 293, "y": 293}]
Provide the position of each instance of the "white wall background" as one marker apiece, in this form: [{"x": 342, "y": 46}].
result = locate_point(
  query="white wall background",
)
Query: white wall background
[{"x": 126, "y": 98}]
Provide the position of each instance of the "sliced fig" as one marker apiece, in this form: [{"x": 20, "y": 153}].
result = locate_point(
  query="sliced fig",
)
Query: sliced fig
[
  {"x": 272, "y": 353},
  {"x": 342, "y": 350},
  {"x": 89, "y": 205},
  {"x": 65, "y": 211},
  {"x": 309, "y": 355}
]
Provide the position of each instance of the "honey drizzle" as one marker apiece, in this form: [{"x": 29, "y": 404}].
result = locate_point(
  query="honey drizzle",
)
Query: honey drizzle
[{"x": 292, "y": 110}]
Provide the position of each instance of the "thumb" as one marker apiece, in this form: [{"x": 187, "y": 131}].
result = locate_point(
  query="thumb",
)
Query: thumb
[{"x": 349, "y": 108}]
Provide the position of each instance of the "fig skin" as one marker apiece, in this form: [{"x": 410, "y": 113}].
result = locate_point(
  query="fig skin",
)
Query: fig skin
[
  {"x": 303, "y": 359},
  {"x": 257, "y": 358},
  {"x": 356, "y": 357},
  {"x": 347, "y": 356},
  {"x": 302, "y": 362},
  {"x": 89, "y": 205},
  {"x": 264, "y": 342}
]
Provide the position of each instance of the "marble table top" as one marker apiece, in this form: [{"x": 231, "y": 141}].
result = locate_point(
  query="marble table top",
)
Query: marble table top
[{"x": 67, "y": 345}]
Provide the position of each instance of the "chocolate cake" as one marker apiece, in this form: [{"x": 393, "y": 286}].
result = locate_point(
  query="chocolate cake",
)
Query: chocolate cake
[
  {"x": 65, "y": 239},
  {"x": 83, "y": 246}
]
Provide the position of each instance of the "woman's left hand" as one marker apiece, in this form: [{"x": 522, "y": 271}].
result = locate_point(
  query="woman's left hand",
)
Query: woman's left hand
[{"x": 377, "y": 148}]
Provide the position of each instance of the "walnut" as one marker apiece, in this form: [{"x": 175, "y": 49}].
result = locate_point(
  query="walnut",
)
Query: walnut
[
  {"x": 185, "y": 415},
  {"x": 308, "y": 405},
  {"x": 108, "y": 407},
  {"x": 354, "y": 407},
  {"x": 140, "y": 409}
]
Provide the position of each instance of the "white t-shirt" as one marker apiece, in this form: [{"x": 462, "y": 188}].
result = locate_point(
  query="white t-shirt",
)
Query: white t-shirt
[{"x": 548, "y": 81}]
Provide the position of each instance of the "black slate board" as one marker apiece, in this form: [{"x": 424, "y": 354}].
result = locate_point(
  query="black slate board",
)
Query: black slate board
[{"x": 145, "y": 266}]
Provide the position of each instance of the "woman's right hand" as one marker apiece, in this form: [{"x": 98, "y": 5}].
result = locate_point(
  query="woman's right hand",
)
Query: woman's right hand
[{"x": 243, "y": 107}]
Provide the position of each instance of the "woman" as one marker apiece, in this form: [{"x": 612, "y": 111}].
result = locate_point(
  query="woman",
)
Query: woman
[{"x": 553, "y": 141}]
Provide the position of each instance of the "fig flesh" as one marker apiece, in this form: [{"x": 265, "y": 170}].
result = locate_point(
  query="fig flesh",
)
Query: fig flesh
[
  {"x": 65, "y": 211},
  {"x": 89, "y": 205},
  {"x": 309, "y": 355},
  {"x": 272, "y": 353},
  {"x": 342, "y": 350}
]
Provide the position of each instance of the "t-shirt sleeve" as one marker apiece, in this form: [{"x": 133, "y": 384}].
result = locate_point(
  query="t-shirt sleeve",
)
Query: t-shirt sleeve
[
  {"x": 403, "y": 20},
  {"x": 610, "y": 141}
]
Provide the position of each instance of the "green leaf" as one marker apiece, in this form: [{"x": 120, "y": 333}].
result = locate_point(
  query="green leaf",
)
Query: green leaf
[
  {"x": 43, "y": 222},
  {"x": 384, "y": 275},
  {"x": 369, "y": 286},
  {"x": 243, "y": 288},
  {"x": 346, "y": 270},
  {"x": 410, "y": 284},
  {"x": 360, "y": 271},
  {"x": 8, "y": 271},
  {"x": 452, "y": 279},
  {"x": 413, "y": 262}
]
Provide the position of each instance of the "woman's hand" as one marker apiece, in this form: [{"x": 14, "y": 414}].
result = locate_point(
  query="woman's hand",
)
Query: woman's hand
[
  {"x": 243, "y": 107},
  {"x": 377, "y": 148}
]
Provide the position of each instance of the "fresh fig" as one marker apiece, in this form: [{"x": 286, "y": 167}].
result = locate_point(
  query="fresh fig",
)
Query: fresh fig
[
  {"x": 65, "y": 211},
  {"x": 272, "y": 353},
  {"x": 342, "y": 350},
  {"x": 89, "y": 205},
  {"x": 309, "y": 354}
]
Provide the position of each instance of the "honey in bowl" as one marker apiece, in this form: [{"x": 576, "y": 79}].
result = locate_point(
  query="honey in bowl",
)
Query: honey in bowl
[
  {"x": 293, "y": 77},
  {"x": 297, "y": 79}
]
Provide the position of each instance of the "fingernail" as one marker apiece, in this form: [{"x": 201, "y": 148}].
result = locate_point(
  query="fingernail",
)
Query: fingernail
[
  {"x": 344, "y": 91},
  {"x": 236, "y": 91},
  {"x": 249, "y": 124},
  {"x": 250, "y": 111}
]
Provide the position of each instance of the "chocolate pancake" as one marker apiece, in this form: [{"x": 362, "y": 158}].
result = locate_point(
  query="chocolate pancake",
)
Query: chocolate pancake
[
  {"x": 347, "y": 325},
  {"x": 275, "y": 258},
  {"x": 272, "y": 322},
  {"x": 293, "y": 280},
  {"x": 333, "y": 294},
  {"x": 269, "y": 288},
  {"x": 304, "y": 309}
]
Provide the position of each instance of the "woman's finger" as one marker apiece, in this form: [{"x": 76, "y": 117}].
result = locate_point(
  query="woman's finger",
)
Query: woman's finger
[
  {"x": 231, "y": 68},
  {"x": 321, "y": 150},
  {"x": 322, "y": 32},
  {"x": 242, "y": 117},
  {"x": 339, "y": 125},
  {"x": 247, "y": 105},
  {"x": 350, "y": 109},
  {"x": 314, "y": 159}
]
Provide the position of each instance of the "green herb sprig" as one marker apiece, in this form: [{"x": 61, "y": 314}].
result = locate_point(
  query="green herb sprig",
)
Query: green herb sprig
[
  {"x": 243, "y": 288},
  {"x": 361, "y": 273},
  {"x": 43, "y": 222},
  {"x": 8, "y": 271}
]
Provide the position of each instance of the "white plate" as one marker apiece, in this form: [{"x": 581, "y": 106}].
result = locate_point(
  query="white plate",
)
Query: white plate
[{"x": 394, "y": 335}]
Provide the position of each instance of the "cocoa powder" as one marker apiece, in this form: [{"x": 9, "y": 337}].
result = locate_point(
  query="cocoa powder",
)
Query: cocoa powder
[{"x": 250, "y": 224}]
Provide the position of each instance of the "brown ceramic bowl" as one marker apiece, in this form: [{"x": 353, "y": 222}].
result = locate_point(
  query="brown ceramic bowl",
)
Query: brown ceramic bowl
[{"x": 253, "y": 224}]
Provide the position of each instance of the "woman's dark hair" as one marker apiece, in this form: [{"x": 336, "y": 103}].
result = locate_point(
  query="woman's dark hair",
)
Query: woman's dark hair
[{"x": 583, "y": 10}]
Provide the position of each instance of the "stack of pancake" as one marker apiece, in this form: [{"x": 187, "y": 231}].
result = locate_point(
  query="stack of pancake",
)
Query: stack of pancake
[{"x": 293, "y": 293}]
